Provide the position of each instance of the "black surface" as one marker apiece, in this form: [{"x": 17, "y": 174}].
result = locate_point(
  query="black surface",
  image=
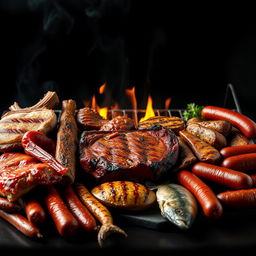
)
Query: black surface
[{"x": 234, "y": 232}]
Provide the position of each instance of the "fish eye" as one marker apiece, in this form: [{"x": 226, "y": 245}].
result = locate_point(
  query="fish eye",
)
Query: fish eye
[{"x": 179, "y": 211}]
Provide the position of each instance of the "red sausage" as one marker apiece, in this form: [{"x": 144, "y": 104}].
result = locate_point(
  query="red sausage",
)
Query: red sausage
[
  {"x": 35, "y": 144},
  {"x": 205, "y": 196},
  {"x": 238, "y": 198},
  {"x": 78, "y": 209},
  {"x": 224, "y": 176},
  {"x": 21, "y": 223},
  {"x": 253, "y": 177},
  {"x": 8, "y": 206},
  {"x": 240, "y": 121},
  {"x": 65, "y": 222},
  {"x": 238, "y": 150},
  {"x": 244, "y": 162},
  {"x": 34, "y": 211}
]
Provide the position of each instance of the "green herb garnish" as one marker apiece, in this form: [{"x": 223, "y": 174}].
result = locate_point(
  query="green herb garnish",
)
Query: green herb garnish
[{"x": 192, "y": 110}]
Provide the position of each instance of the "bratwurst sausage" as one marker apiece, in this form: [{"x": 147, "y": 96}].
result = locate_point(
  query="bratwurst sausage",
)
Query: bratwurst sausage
[{"x": 240, "y": 121}]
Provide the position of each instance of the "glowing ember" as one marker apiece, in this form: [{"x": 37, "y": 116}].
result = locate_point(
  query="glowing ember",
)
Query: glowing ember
[
  {"x": 131, "y": 94},
  {"x": 94, "y": 104},
  {"x": 149, "y": 110},
  {"x": 167, "y": 103}
]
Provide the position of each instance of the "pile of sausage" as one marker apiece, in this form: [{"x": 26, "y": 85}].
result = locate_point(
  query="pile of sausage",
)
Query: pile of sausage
[{"x": 232, "y": 171}]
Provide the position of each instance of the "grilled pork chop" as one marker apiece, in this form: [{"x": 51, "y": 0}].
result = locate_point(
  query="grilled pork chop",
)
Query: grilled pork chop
[
  {"x": 129, "y": 155},
  {"x": 14, "y": 124},
  {"x": 19, "y": 173},
  {"x": 90, "y": 119}
]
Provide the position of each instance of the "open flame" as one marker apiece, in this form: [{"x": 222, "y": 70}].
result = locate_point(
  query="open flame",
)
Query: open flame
[
  {"x": 149, "y": 110},
  {"x": 131, "y": 94}
]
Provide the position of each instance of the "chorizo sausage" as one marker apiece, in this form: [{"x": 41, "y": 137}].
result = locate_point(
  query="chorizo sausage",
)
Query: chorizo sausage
[
  {"x": 79, "y": 210},
  {"x": 244, "y": 162},
  {"x": 21, "y": 223},
  {"x": 238, "y": 198},
  {"x": 224, "y": 176},
  {"x": 64, "y": 221},
  {"x": 8, "y": 206},
  {"x": 240, "y": 121},
  {"x": 238, "y": 150},
  {"x": 207, "y": 199}
]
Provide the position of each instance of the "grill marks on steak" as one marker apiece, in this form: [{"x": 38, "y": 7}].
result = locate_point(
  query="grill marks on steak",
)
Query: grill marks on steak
[{"x": 106, "y": 155}]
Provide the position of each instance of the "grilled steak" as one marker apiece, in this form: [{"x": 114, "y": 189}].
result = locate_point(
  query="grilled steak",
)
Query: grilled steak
[
  {"x": 19, "y": 173},
  {"x": 129, "y": 155},
  {"x": 172, "y": 122},
  {"x": 14, "y": 124}
]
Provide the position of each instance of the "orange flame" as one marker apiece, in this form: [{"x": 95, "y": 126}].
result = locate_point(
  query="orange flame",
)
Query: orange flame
[
  {"x": 131, "y": 94},
  {"x": 167, "y": 103},
  {"x": 149, "y": 110},
  {"x": 102, "y": 88}
]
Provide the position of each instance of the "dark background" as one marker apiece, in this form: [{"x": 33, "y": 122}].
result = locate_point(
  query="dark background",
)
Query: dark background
[{"x": 189, "y": 53}]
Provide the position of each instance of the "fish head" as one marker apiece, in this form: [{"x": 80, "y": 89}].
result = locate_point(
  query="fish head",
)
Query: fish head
[{"x": 178, "y": 216}]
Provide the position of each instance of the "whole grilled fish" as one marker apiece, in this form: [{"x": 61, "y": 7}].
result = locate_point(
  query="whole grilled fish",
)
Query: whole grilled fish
[{"x": 177, "y": 204}]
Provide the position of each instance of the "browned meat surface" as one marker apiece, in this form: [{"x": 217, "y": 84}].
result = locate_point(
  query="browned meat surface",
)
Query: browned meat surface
[
  {"x": 19, "y": 173},
  {"x": 236, "y": 138},
  {"x": 118, "y": 123},
  {"x": 208, "y": 135},
  {"x": 186, "y": 157},
  {"x": 90, "y": 119},
  {"x": 14, "y": 124},
  {"x": 203, "y": 151},
  {"x": 129, "y": 155},
  {"x": 172, "y": 122}
]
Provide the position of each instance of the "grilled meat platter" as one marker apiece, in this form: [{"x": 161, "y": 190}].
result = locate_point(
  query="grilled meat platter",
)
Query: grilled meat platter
[{"x": 79, "y": 168}]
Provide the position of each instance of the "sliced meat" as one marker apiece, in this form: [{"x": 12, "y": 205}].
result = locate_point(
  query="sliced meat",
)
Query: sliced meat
[
  {"x": 208, "y": 135},
  {"x": 129, "y": 155},
  {"x": 118, "y": 123},
  {"x": 203, "y": 151},
  {"x": 14, "y": 124},
  {"x": 20, "y": 173},
  {"x": 172, "y": 122},
  {"x": 90, "y": 119}
]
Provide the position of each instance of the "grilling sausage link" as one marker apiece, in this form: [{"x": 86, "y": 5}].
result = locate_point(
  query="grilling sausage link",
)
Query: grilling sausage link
[
  {"x": 8, "y": 206},
  {"x": 78, "y": 209},
  {"x": 208, "y": 135},
  {"x": 240, "y": 121},
  {"x": 203, "y": 151},
  {"x": 238, "y": 198},
  {"x": 238, "y": 150},
  {"x": 100, "y": 212},
  {"x": 21, "y": 223},
  {"x": 65, "y": 222},
  {"x": 224, "y": 176},
  {"x": 244, "y": 162},
  {"x": 210, "y": 204},
  {"x": 67, "y": 140}
]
